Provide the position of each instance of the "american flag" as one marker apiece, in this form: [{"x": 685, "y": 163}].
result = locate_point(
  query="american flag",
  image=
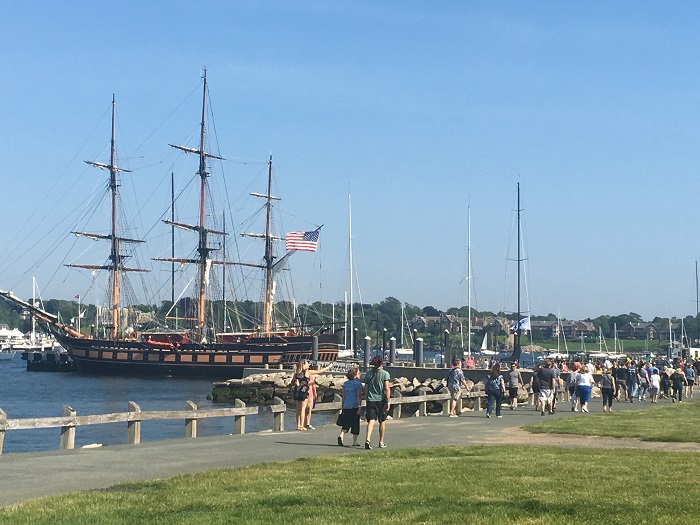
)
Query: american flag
[{"x": 302, "y": 241}]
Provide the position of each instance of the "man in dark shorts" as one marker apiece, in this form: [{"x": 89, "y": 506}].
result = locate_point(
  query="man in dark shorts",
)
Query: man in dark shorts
[
  {"x": 620, "y": 375},
  {"x": 377, "y": 392},
  {"x": 515, "y": 381},
  {"x": 546, "y": 377}
]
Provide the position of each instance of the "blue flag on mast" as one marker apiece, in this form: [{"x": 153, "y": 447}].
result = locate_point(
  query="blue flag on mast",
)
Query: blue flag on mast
[{"x": 523, "y": 325}]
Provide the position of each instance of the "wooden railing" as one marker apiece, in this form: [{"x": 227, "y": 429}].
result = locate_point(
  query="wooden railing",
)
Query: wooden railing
[{"x": 69, "y": 420}]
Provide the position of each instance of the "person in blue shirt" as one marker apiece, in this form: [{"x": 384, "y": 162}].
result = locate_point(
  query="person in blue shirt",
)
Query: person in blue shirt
[
  {"x": 349, "y": 419},
  {"x": 690, "y": 376},
  {"x": 455, "y": 383}
]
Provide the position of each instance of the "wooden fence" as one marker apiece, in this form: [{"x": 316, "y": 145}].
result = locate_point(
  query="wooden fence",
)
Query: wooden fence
[{"x": 70, "y": 420}]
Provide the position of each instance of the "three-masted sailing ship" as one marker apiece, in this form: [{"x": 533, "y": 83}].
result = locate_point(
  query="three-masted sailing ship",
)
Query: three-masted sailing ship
[{"x": 196, "y": 350}]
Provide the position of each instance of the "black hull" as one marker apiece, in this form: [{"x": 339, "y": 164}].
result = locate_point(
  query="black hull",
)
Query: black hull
[{"x": 216, "y": 360}]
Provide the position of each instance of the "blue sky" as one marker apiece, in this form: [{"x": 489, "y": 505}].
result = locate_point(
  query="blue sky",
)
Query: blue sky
[{"x": 416, "y": 108}]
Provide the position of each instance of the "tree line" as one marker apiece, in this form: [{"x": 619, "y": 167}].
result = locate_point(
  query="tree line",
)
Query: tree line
[{"x": 378, "y": 320}]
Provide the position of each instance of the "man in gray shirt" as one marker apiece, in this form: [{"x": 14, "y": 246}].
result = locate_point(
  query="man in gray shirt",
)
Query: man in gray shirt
[{"x": 515, "y": 381}]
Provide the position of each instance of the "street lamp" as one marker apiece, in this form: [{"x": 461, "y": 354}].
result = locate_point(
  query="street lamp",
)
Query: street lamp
[
  {"x": 384, "y": 342},
  {"x": 446, "y": 352}
]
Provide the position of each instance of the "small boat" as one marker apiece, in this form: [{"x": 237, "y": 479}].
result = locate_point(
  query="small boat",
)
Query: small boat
[{"x": 6, "y": 352}]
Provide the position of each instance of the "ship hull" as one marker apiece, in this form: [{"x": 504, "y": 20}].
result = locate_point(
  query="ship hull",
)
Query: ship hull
[{"x": 215, "y": 360}]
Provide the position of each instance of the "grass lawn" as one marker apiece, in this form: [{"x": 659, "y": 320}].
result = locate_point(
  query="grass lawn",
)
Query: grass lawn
[
  {"x": 471, "y": 485},
  {"x": 675, "y": 422}
]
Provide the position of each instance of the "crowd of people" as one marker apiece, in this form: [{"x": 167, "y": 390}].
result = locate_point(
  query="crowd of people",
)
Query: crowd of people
[{"x": 621, "y": 381}]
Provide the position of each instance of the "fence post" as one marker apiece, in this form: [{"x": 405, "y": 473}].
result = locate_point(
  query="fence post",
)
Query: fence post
[
  {"x": 133, "y": 426},
  {"x": 191, "y": 422},
  {"x": 278, "y": 425},
  {"x": 396, "y": 407},
  {"x": 423, "y": 406},
  {"x": 336, "y": 413},
  {"x": 477, "y": 403},
  {"x": 446, "y": 402},
  {"x": 238, "y": 421},
  {"x": 3, "y": 427},
  {"x": 68, "y": 431}
]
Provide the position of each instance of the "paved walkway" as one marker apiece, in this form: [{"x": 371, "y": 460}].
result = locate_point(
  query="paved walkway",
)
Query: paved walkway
[{"x": 24, "y": 476}]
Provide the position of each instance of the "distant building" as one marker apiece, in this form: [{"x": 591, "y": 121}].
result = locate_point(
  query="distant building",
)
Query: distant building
[
  {"x": 564, "y": 328},
  {"x": 637, "y": 331}
]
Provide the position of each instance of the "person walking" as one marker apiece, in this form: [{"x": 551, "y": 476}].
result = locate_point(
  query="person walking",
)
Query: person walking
[
  {"x": 643, "y": 375},
  {"x": 665, "y": 380},
  {"x": 455, "y": 383},
  {"x": 495, "y": 390},
  {"x": 573, "y": 393},
  {"x": 607, "y": 389},
  {"x": 535, "y": 387},
  {"x": 632, "y": 381},
  {"x": 679, "y": 382},
  {"x": 546, "y": 378},
  {"x": 690, "y": 377},
  {"x": 655, "y": 382},
  {"x": 349, "y": 419},
  {"x": 620, "y": 374},
  {"x": 584, "y": 382},
  {"x": 515, "y": 381},
  {"x": 377, "y": 393}
]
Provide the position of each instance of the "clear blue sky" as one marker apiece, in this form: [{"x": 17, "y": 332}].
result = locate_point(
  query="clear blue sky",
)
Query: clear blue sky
[{"x": 416, "y": 108}]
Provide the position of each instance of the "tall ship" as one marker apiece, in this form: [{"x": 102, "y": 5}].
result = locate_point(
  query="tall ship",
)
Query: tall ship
[{"x": 195, "y": 348}]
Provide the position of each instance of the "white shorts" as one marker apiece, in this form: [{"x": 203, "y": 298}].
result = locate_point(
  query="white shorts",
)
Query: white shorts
[{"x": 546, "y": 395}]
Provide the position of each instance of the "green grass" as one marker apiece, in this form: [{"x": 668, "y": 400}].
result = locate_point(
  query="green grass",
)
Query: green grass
[
  {"x": 671, "y": 423},
  {"x": 474, "y": 485}
]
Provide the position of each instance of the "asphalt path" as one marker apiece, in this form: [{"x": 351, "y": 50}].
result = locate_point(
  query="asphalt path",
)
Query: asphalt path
[{"x": 24, "y": 476}]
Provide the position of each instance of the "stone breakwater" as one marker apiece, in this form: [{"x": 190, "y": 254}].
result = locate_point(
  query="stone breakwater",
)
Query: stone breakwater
[{"x": 260, "y": 389}]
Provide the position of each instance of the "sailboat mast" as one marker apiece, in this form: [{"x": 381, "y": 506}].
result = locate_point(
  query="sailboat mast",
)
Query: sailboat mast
[
  {"x": 352, "y": 320},
  {"x": 114, "y": 255},
  {"x": 516, "y": 349},
  {"x": 469, "y": 280},
  {"x": 269, "y": 258}
]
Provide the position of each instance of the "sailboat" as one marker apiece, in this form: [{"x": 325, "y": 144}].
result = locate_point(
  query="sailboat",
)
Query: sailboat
[{"x": 196, "y": 350}]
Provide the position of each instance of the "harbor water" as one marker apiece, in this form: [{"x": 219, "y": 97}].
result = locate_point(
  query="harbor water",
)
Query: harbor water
[{"x": 26, "y": 394}]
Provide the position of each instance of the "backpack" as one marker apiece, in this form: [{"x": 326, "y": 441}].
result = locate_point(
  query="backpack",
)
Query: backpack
[
  {"x": 301, "y": 388},
  {"x": 643, "y": 376}
]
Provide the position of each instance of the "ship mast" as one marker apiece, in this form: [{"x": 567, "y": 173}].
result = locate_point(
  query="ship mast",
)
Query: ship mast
[
  {"x": 269, "y": 257},
  {"x": 270, "y": 266},
  {"x": 116, "y": 259},
  {"x": 203, "y": 261},
  {"x": 202, "y": 248}
]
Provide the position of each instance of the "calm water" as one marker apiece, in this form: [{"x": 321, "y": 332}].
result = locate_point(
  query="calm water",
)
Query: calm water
[{"x": 42, "y": 394}]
